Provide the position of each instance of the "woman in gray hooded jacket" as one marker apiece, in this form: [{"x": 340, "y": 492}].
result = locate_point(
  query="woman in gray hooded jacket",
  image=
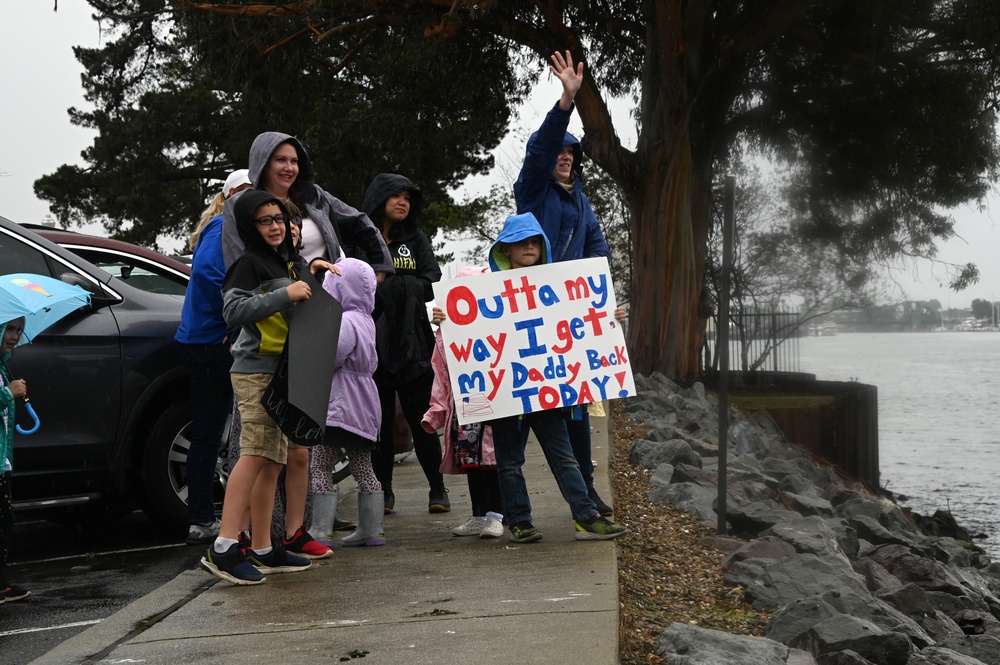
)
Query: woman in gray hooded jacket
[{"x": 280, "y": 165}]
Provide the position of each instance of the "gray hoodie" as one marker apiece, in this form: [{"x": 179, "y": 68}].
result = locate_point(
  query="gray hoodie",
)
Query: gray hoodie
[{"x": 340, "y": 224}]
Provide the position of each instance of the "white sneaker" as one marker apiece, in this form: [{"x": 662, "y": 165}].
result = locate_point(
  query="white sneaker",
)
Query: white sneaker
[
  {"x": 203, "y": 533},
  {"x": 471, "y": 527},
  {"x": 493, "y": 527}
]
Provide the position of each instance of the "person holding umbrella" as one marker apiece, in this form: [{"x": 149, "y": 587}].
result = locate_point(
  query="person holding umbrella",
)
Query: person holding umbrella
[
  {"x": 10, "y": 389},
  {"x": 28, "y": 305}
]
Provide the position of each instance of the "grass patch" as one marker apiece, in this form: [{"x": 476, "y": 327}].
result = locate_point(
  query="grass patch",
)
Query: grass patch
[{"x": 771, "y": 401}]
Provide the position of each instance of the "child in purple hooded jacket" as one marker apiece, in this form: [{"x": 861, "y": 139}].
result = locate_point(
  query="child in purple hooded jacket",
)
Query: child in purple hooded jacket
[{"x": 353, "y": 416}]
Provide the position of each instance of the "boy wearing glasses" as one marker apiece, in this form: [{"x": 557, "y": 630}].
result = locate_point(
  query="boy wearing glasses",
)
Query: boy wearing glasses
[{"x": 259, "y": 292}]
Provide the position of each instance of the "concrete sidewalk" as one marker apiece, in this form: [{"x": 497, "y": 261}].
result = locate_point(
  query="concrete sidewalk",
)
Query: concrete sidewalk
[{"x": 427, "y": 597}]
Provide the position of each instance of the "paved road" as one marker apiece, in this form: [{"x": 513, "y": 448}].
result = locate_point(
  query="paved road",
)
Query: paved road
[{"x": 79, "y": 579}]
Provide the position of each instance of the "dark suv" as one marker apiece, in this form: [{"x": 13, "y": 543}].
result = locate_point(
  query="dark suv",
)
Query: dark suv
[{"x": 112, "y": 397}]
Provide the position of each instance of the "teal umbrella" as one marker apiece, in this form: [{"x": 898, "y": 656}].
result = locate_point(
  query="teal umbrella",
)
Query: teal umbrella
[
  {"x": 39, "y": 299},
  {"x": 42, "y": 301}
]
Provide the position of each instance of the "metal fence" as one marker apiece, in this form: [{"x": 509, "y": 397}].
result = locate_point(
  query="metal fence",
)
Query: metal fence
[{"x": 759, "y": 341}]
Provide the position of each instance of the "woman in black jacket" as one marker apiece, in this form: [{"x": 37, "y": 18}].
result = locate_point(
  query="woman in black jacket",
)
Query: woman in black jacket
[{"x": 404, "y": 336}]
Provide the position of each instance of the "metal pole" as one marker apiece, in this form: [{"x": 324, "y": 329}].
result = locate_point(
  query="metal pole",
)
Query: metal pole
[{"x": 728, "y": 230}]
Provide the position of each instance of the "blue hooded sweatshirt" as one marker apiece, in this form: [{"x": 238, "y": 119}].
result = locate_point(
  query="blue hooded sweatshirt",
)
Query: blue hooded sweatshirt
[
  {"x": 517, "y": 227},
  {"x": 569, "y": 222},
  {"x": 201, "y": 314}
]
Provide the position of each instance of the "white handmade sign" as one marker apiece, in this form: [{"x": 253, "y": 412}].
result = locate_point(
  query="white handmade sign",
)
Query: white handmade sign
[{"x": 531, "y": 339}]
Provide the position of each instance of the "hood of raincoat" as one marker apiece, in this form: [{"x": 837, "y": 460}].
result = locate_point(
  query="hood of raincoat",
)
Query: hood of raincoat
[
  {"x": 260, "y": 153},
  {"x": 389, "y": 184},
  {"x": 354, "y": 289},
  {"x": 570, "y": 140},
  {"x": 244, "y": 209},
  {"x": 517, "y": 227}
]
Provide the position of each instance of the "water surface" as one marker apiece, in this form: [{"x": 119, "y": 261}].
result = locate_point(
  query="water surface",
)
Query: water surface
[{"x": 937, "y": 408}]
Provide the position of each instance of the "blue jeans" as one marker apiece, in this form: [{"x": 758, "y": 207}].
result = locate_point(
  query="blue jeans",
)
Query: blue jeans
[
  {"x": 211, "y": 402},
  {"x": 578, "y": 428},
  {"x": 510, "y": 436}
]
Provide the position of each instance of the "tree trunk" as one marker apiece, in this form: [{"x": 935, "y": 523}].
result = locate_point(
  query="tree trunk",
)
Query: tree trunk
[{"x": 669, "y": 225}]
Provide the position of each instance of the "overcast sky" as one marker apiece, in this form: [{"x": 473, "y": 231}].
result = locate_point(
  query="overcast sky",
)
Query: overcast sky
[{"x": 40, "y": 80}]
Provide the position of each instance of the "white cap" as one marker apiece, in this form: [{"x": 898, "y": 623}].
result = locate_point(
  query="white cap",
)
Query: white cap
[{"x": 236, "y": 179}]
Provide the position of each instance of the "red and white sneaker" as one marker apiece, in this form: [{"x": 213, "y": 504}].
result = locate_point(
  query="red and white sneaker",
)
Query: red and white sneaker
[
  {"x": 303, "y": 544},
  {"x": 11, "y": 593}
]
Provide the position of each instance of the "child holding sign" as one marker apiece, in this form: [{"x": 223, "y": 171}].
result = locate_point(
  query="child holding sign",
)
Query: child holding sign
[
  {"x": 468, "y": 449},
  {"x": 522, "y": 244}
]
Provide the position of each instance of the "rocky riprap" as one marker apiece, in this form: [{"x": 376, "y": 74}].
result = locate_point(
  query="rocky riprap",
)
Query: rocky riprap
[{"x": 851, "y": 578}]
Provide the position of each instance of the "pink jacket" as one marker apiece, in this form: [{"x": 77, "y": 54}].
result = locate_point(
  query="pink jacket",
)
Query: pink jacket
[{"x": 442, "y": 404}]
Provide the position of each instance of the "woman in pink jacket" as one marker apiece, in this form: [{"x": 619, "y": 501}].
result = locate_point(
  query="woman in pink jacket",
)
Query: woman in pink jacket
[{"x": 468, "y": 449}]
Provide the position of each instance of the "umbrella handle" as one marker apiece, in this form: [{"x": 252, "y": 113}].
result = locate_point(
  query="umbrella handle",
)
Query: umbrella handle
[{"x": 34, "y": 416}]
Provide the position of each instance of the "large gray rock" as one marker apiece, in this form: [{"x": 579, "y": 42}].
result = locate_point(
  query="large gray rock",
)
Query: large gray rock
[
  {"x": 951, "y": 605},
  {"x": 847, "y": 537},
  {"x": 800, "y": 657},
  {"x": 846, "y": 657},
  {"x": 880, "y": 613},
  {"x": 661, "y": 475},
  {"x": 798, "y": 617},
  {"x": 872, "y": 530},
  {"x": 857, "y": 505},
  {"x": 798, "y": 484},
  {"x": 984, "y": 647},
  {"x": 941, "y": 656},
  {"x": 977, "y": 622},
  {"x": 844, "y": 632},
  {"x": 912, "y": 601},
  {"x": 773, "y": 583},
  {"x": 681, "y": 644},
  {"x": 909, "y": 566},
  {"x": 809, "y": 504},
  {"x": 769, "y": 547},
  {"x": 688, "y": 497},
  {"x": 686, "y": 473},
  {"x": 750, "y": 518},
  {"x": 808, "y": 535},
  {"x": 650, "y": 453},
  {"x": 877, "y": 578}
]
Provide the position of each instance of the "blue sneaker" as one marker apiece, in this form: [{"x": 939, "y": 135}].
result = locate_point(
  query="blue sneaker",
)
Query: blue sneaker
[
  {"x": 231, "y": 566},
  {"x": 278, "y": 560}
]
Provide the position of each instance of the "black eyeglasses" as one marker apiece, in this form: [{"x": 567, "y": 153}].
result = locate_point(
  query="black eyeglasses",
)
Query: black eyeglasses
[{"x": 267, "y": 220}]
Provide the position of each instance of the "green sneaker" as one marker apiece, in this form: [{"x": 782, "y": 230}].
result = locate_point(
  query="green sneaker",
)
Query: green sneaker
[
  {"x": 524, "y": 532},
  {"x": 598, "y": 528}
]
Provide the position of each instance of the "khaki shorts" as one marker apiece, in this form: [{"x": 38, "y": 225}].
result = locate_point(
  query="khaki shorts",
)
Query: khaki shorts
[{"x": 260, "y": 435}]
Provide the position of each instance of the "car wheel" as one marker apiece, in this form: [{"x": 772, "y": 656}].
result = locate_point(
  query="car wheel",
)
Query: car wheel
[{"x": 165, "y": 466}]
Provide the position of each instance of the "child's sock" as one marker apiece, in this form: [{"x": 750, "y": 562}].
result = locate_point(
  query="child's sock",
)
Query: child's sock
[
  {"x": 222, "y": 544},
  {"x": 263, "y": 552}
]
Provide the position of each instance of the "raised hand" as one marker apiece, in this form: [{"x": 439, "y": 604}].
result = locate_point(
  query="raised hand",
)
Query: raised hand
[{"x": 571, "y": 77}]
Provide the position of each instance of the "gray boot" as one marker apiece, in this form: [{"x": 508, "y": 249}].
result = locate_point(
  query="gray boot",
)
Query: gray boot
[
  {"x": 324, "y": 511},
  {"x": 371, "y": 513}
]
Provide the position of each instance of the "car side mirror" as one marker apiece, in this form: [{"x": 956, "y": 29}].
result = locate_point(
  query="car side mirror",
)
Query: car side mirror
[{"x": 98, "y": 298}]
